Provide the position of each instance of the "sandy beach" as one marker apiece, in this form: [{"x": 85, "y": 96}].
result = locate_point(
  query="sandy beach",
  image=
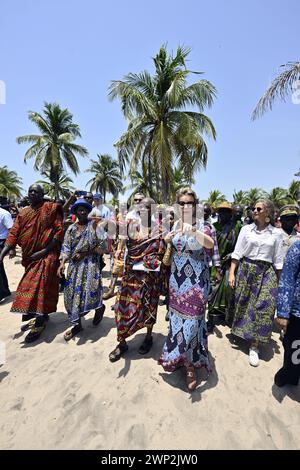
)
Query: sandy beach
[{"x": 58, "y": 395}]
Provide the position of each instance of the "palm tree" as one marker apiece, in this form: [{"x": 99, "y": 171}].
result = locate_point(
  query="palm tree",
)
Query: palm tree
[
  {"x": 138, "y": 185},
  {"x": 64, "y": 186},
  {"x": 115, "y": 202},
  {"x": 253, "y": 195},
  {"x": 215, "y": 197},
  {"x": 293, "y": 192},
  {"x": 107, "y": 177},
  {"x": 239, "y": 197},
  {"x": 278, "y": 196},
  {"x": 10, "y": 183},
  {"x": 281, "y": 87},
  {"x": 162, "y": 133},
  {"x": 179, "y": 180},
  {"x": 54, "y": 149}
]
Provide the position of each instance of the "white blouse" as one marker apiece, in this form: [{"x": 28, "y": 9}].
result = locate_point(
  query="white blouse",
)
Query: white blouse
[{"x": 265, "y": 245}]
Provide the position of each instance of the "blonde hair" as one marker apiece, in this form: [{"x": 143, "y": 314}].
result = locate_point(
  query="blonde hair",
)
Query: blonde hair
[
  {"x": 186, "y": 192},
  {"x": 269, "y": 206}
]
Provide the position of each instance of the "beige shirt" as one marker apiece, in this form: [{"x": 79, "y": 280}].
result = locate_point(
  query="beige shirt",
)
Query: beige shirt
[{"x": 288, "y": 240}]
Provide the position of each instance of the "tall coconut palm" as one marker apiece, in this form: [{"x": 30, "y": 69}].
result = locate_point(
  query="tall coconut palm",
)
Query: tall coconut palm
[
  {"x": 107, "y": 177},
  {"x": 179, "y": 180},
  {"x": 215, "y": 197},
  {"x": 65, "y": 187},
  {"x": 137, "y": 184},
  {"x": 10, "y": 183},
  {"x": 253, "y": 195},
  {"x": 278, "y": 196},
  {"x": 54, "y": 149},
  {"x": 239, "y": 197},
  {"x": 281, "y": 87},
  {"x": 293, "y": 192},
  {"x": 161, "y": 130}
]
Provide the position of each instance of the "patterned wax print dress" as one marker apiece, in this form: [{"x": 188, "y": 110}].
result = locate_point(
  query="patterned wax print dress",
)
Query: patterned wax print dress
[
  {"x": 83, "y": 288},
  {"x": 186, "y": 343}
]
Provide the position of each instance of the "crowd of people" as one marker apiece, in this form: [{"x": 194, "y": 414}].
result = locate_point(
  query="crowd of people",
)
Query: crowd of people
[{"x": 228, "y": 265}]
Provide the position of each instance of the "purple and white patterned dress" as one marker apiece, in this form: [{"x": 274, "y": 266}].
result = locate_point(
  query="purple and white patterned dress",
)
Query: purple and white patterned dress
[{"x": 186, "y": 343}]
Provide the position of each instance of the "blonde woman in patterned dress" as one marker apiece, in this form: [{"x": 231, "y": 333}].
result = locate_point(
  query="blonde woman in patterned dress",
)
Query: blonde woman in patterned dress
[{"x": 186, "y": 344}]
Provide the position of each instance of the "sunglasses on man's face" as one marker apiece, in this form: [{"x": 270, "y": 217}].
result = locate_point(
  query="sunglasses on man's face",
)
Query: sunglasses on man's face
[
  {"x": 189, "y": 204},
  {"x": 258, "y": 209}
]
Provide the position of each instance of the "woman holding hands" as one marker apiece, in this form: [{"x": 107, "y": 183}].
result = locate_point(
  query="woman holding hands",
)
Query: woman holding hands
[{"x": 186, "y": 344}]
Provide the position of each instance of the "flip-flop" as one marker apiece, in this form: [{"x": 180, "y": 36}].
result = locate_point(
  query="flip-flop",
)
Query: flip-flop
[
  {"x": 146, "y": 346},
  {"x": 117, "y": 353},
  {"x": 72, "y": 332}
]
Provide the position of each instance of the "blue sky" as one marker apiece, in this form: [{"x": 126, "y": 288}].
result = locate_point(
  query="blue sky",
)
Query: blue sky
[{"x": 68, "y": 51}]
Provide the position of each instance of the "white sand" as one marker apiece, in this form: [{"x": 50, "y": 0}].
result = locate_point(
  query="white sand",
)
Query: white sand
[{"x": 58, "y": 395}]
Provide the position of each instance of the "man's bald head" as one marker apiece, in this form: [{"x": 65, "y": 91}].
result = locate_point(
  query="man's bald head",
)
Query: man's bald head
[{"x": 35, "y": 194}]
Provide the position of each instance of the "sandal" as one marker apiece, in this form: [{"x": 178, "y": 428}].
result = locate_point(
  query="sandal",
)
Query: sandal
[
  {"x": 109, "y": 294},
  {"x": 191, "y": 379},
  {"x": 31, "y": 323},
  {"x": 34, "y": 333},
  {"x": 28, "y": 325},
  {"x": 146, "y": 346},
  {"x": 72, "y": 332},
  {"x": 99, "y": 312},
  {"x": 117, "y": 353}
]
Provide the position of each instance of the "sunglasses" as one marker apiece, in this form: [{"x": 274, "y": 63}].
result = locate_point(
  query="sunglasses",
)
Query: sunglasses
[
  {"x": 258, "y": 209},
  {"x": 137, "y": 200},
  {"x": 189, "y": 204}
]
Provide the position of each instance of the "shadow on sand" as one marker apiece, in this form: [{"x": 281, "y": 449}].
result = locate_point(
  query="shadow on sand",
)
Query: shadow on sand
[
  {"x": 177, "y": 380},
  {"x": 267, "y": 351}
]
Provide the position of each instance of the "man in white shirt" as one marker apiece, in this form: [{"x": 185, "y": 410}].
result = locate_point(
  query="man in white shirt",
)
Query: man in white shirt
[
  {"x": 99, "y": 210},
  {"x": 6, "y": 222},
  {"x": 133, "y": 214}
]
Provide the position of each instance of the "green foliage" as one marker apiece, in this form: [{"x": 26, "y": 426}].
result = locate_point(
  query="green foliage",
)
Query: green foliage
[
  {"x": 107, "y": 177},
  {"x": 54, "y": 148},
  {"x": 65, "y": 187},
  {"x": 281, "y": 87},
  {"x": 215, "y": 197},
  {"x": 162, "y": 134},
  {"x": 10, "y": 183}
]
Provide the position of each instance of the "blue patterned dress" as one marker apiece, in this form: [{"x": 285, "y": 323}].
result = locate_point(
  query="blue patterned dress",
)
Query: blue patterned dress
[
  {"x": 186, "y": 343},
  {"x": 83, "y": 288}
]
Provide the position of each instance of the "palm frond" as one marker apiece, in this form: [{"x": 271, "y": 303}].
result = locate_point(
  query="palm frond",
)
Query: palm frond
[{"x": 280, "y": 88}]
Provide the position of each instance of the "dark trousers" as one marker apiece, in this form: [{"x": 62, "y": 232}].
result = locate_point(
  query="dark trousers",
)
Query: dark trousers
[
  {"x": 291, "y": 344},
  {"x": 4, "y": 289}
]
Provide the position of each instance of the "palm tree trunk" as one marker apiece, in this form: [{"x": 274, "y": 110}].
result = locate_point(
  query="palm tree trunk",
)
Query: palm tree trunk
[
  {"x": 165, "y": 191},
  {"x": 150, "y": 175},
  {"x": 56, "y": 191}
]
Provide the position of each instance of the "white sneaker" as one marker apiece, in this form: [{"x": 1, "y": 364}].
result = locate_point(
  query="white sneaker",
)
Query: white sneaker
[{"x": 253, "y": 357}]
